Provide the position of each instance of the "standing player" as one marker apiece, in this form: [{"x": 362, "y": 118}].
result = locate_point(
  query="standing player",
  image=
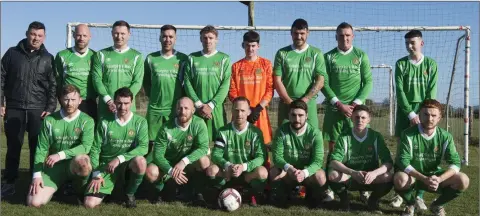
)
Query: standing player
[
  {"x": 116, "y": 67},
  {"x": 416, "y": 78},
  {"x": 207, "y": 79},
  {"x": 299, "y": 71},
  {"x": 419, "y": 159},
  {"x": 163, "y": 81},
  {"x": 360, "y": 161},
  {"x": 63, "y": 144},
  {"x": 73, "y": 66},
  {"x": 347, "y": 84},
  {"x": 179, "y": 154},
  {"x": 120, "y": 143},
  {"x": 252, "y": 78},
  {"x": 298, "y": 157},
  {"x": 239, "y": 153}
]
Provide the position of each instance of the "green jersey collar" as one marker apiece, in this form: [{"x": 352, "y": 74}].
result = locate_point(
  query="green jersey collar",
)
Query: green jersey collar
[
  {"x": 183, "y": 128},
  {"x": 424, "y": 135},
  {"x": 66, "y": 118},
  {"x": 79, "y": 54},
  {"x": 209, "y": 55},
  {"x": 126, "y": 122},
  {"x": 346, "y": 52},
  {"x": 358, "y": 138},
  {"x": 121, "y": 51},
  {"x": 242, "y": 131},
  {"x": 169, "y": 57},
  {"x": 299, "y": 51},
  {"x": 302, "y": 130}
]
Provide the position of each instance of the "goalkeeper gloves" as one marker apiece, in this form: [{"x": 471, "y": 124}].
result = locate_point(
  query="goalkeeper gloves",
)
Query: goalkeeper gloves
[{"x": 255, "y": 114}]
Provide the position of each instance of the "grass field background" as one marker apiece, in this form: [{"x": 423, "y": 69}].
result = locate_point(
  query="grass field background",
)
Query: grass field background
[{"x": 466, "y": 204}]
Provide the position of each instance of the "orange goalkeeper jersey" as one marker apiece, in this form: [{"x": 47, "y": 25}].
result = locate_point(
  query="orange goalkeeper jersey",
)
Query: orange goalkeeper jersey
[{"x": 254, "y": 80}]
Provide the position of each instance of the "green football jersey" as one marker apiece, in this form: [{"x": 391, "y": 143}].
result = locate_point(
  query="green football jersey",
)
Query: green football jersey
[
  {"x": 349, "y": 78},
  {"x": 239, "y": 147},
  {"x": 363, "y": 154},
  {"x": 74, "y": 68},
  {"x": 114, "y": 69},
  {"x": 175, "y": 143},
  {"x": 303, "y": 151},
  {"x": 207, "y": 78},
  {"x": 114, "y": 139},
  {"x": 415, "y": 82},
  {"x": 163, "y": 81},
  {"x": 65, "y": 136},
  {"x": 425, "y": 153},
  {"x": 299, "y": 69}
]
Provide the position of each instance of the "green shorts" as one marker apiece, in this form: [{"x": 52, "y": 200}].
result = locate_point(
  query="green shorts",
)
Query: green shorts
[
  {"x": 60, "y": 173},
  {"x": 283, "y": 110},
  {"x": 402, "y": 122},
  {"x": 109, "y": 179},
  {"x": 334, "y": 123},
  {"x": 155, "y": 121}
]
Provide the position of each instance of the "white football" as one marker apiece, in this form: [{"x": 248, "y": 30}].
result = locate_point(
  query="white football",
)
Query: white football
[{"x": 230, "y": 199}]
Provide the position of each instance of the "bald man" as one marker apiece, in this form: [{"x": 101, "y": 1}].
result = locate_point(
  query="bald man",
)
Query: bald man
[
  {"x": 73, "y": 66},
  {"x": 180, "y": 154}
]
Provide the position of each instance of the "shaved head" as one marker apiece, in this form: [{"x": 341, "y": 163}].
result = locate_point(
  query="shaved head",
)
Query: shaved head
[
  {"x": 186, "y": 100},
  {"x": 82, "y": 37},
  {"x": 185, "y": 110}
]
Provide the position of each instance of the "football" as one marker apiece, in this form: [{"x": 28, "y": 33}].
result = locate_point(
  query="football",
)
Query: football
[{"x": 230, "y": 199}]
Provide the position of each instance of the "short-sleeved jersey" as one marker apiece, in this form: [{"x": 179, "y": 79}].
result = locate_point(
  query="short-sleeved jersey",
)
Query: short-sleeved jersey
[
  {"x": 68, "y": 137},
  {"x": 114, "y": 69},
  {"x": 299, "y": 69},
  {"x": 365, "y": 154},
  {"x": 74, "y": 68},
  {"x": 425, "y": 153},
  {"x": 174, "y": 143},
  {"x": 415, "y": 82},
  {"x": 349, "y": 76},
  {"x": 207, "y": 77},
  {"x": 122, "y": 140},
  {"x": 163, "y": 80},
  {"x": 239, "y": 147},
  {"x": 303, "y": 151}
]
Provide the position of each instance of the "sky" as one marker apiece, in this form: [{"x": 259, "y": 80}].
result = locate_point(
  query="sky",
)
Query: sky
[{"x": 382, "y": 48}]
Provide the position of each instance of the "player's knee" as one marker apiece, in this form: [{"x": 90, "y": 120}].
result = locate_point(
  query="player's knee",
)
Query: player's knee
[
  {"x": 262, "y": 172},
  {"x": 400, "y": 180},
  {"x": 90, "y": 203},
  {"x": 35, "y": 202},
  {"x": 152, "y": 173},
  {"x": 139, "y": 165},
  {"x": 204, "y": 163},
  {"x": 334, "y": 176},
  {"x": 320, "y": 177},
  {"x": 212, "y": 170},
  {"x": 463, "y": 181},
  {"x": 81, "y": 165}
]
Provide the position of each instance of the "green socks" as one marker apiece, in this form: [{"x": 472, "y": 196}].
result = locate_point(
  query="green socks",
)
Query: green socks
[
  {"x": 448, "y": 194},
  {"x": 134, "y": 181}
]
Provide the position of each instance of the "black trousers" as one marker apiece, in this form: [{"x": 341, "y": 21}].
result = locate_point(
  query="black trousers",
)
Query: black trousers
[
  {"x": 17, "y": 121},
  {"x": 89, "y": 106}
]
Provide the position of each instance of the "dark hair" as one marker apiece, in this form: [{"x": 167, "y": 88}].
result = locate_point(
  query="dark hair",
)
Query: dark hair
[
  {"x": 69, "y": 88},
  {"x": 299, "y": 24},
  {"x": 299, "y": 104},
  {"x": 431, "y": 103},
  {"x": 251, "y": 36},
  {"x": 168, "y": 27},
  {"x": 36, "y": 25},
  {"x": 361, "y": 108},
  {"x": 413, "y": 33},
  {"x": 209, "y": 29},
  {"x": 121, "y": 23},
  {"x": 241, "y": 98},
  {"x": 344, "y": 25},
  {"x": 123, "y": 92}
]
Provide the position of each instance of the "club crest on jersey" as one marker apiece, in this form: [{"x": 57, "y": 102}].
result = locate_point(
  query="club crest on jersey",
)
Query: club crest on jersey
[
  {"x": 355, "y": 61},
  {"x": 258, "y": 71},
  {"x": 216, "y": 64},
  {"x": 110, "y": 133},
  {"x": 176, "y": 66},
  {"x": 78, "y": 130},
  {"x": 308, "y": 59},
  {"x": 370, "y": 148},
  {"x": 189, "y": 138},
  {"x": 131, "y": 132},
  {"x": 308, "y": 146},
  {"x": 56, "y": 130},
  {"x": 436, "y": 149},
  {"x": 247, "y": 144},
  {"x": 425, "y": 72},
  {"x": 126, "y": 60}
]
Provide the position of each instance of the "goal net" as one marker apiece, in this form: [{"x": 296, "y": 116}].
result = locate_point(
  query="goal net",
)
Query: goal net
[{"x": 384, "y": 45}]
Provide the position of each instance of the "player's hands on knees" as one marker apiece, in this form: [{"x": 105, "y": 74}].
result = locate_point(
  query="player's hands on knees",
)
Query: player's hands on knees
[
  {"x": 95, "y": 184},
  {"x": 359, "y": 176},
  {"x": 112, "y": 165},
  {"x": 111, "y": 106},
  {"x": 433, "y": 182},
  {"x": 291, "y": 172},
  {"x": 237, "y": 170},
  {"x": 229, "y": 172},
  {"x": 35, "y": 186},
  {"x": 299, "y": 175},
  {"x": 181, "y": 178},
  {"x": 178, "y": 168},
  {"x": 52, "y": 159},
  {"x": 370, "y": 176},
  {"x": 415, "y": 121}
]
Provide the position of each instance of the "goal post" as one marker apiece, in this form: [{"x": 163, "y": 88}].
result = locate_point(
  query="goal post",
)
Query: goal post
[{"x": 383, "y": 44}]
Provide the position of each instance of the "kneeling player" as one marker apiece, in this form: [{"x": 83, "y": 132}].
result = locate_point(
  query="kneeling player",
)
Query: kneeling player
[
  {"x": 298, "y": 157},
  {"x": 67, "y": 136},
  {"x": 354, "y": 163},
  {"x": 121, "y": 141},
  {"x": 180, "y": 153},
  {"x": 239, "y": 153},
  {"x": 422, "y": 148}
]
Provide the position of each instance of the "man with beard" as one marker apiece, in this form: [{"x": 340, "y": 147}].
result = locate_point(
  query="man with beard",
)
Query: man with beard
[
  {"x": 120, "y": 143},
  {"x": 116, "y": 67},
  {"x": 73, "y": 66},
  {"x": 179, "y": 155},
  {"x": 298, "y": 73},
  {"x": 65, "y": 140},
  {"x": 422, "y": 149},
  {"x": 239, "y": 153},
  {"x": 163, "y": 81},
  {"x": 297, "y": 150}
]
